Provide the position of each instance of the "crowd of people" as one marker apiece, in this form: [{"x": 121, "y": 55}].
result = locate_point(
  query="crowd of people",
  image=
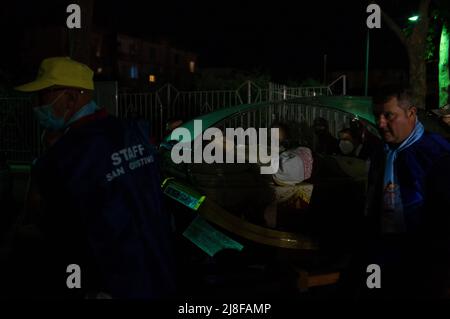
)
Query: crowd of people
[{"x": 88, "y": 205}]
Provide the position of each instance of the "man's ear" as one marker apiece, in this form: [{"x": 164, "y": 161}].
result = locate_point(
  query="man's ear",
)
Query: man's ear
[{"x": 412, "y": 111}]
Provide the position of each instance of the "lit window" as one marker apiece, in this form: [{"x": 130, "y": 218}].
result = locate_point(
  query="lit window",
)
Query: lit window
[
  {"x": 134, "y": 72},
  {"x": 152, "y": 78},
  {"x": 192, "y": 66}
]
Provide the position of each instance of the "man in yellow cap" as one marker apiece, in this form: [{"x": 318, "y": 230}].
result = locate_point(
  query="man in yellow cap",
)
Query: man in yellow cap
[
  {"x": 99, "y": 191},
  {"x": 65, "y": 90}
]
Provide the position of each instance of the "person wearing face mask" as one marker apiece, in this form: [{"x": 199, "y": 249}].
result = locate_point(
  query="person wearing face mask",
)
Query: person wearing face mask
[
  {"x": 350, "y": 144},
  {"x": 347, "y": 143},
  {"x": 97, "y": 200}
]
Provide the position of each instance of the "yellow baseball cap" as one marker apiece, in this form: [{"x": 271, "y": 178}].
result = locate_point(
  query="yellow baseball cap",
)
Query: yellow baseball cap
[{"x": 61, "y": 71}]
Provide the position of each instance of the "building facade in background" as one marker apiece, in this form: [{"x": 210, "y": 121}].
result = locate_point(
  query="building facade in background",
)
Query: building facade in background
[{"x": 136, "y": 63}]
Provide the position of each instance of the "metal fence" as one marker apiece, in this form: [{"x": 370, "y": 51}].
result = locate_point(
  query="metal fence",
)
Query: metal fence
[
  {"x": 20, "y": 133},
  {"x": 19, "y": 130},
  {"x": 296, "y": 113},
  {"x": 146, "y": 106},
  {"x": 280, "y": 92},
  {"x": 168, "y": 102}
]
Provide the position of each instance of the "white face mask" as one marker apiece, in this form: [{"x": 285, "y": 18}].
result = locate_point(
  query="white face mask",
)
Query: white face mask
[{"x": 346, "y": 147}]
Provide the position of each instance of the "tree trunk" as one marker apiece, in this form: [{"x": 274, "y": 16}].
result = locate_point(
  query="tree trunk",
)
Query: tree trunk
[
  {"x": 417, "y": 76},
  {"x": 415, "y": 44}
]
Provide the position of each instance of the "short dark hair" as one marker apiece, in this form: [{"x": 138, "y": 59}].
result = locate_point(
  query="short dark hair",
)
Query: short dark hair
[
  {"x": 356, "y": 136},
  {"x": 401, "y": 92}
]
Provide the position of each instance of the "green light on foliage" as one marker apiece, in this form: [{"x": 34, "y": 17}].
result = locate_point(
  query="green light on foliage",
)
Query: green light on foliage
[
  {"x": 413, "y": 18},
  {"x": 444, "y": 77}
]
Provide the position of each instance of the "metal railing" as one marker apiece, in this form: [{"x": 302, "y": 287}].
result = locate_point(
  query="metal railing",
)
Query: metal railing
[
  {"x": 19, "y": 130},
  {"x": 168, "y": 102},
  {"x": 201, "y": 102},
  {"x": 146, "y": 106},
  {"x": 343, "y": 79},
  {"x": 294, "y": 111},
  {"x": 20, "y": 133},
  {"x": 282, "y": 92}
]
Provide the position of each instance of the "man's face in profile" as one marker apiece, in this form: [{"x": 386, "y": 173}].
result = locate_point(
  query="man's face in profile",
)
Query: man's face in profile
[{"x": 395, "y": 123}]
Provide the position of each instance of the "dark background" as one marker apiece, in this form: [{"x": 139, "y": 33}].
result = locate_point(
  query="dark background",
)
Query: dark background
[{"x": 287, "y": 39}]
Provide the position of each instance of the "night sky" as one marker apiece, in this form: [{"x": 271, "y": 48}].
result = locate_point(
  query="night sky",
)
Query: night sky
[{"x": 285, "y": 38}]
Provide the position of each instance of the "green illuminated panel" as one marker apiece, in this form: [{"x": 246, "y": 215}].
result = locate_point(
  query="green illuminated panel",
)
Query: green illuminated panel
[
  {"x": 209, "y": 239},
  {"x": 444, "y": 77},
  {"x": 182, "y": 194}
]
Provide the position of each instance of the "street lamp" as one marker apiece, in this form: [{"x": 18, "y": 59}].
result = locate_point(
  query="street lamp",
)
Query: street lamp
[{"x": 413, "y": 18}]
